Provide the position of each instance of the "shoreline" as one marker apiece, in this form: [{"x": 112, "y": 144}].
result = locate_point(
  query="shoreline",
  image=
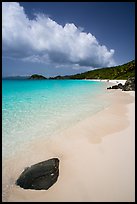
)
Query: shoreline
[
  {"x": 113, "y": 81},
  {"x": 96, "y": 157}
]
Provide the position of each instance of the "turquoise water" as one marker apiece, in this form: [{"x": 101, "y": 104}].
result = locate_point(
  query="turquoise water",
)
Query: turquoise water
[{"x": 37, "y": 109}]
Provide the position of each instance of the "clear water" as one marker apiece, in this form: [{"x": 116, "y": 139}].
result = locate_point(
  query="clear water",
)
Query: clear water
[{"x": 37, "y": 109}]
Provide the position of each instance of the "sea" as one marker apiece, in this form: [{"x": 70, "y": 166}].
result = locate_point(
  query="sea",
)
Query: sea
[{"x": 37, "y": 109}]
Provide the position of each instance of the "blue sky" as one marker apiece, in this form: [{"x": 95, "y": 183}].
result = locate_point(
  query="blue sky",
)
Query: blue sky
[{"x": 60, "y": 38}]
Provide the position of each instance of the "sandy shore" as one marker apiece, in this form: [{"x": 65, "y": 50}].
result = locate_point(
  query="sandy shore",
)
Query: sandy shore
[
  {"x": 113, "y": 81},
  {"x": 97, "y": 157}
]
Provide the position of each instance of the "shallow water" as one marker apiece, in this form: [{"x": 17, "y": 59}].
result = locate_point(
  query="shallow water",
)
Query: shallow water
[{"x": 32, "y": 109}]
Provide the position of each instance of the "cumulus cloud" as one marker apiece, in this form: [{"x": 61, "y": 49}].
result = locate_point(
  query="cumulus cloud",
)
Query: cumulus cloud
[{"x": 42, "y": 40}]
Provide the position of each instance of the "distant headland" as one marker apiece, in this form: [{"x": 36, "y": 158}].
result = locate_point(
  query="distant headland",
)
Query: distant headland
[{"x": 37, "y": 76}]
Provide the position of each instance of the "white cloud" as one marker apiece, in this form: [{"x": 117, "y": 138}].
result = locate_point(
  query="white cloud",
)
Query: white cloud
[{"x": 43, "y": 40}]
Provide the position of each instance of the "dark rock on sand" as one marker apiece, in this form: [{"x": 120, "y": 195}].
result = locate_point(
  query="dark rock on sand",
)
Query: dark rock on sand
[
  {"x": 115, "y": 87},
  {"x": 109, "y": 87},
  {"x": 119, "y": 86},
  {"x": 129, "y": 85},
  {"x": 40, "y": 176}
]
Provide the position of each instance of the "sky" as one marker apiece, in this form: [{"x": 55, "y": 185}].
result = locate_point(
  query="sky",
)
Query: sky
[{"x": 62, "y": 38}]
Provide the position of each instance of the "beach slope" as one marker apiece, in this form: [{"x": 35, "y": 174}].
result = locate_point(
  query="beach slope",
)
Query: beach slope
[{"x": 97, "y": 157}]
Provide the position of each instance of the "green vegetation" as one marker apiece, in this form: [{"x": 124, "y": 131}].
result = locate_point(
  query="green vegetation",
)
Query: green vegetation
[
  {"x": 36, "y": 76},
  {"x": 118, "y": 72}
]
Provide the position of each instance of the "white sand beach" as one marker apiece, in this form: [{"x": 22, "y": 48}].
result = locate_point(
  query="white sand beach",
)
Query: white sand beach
[
  {"x": 113, "y": 81},
  {"x": 97, "y": 157}
]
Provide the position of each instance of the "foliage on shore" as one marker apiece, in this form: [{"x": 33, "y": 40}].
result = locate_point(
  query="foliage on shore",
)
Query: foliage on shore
[{"x": 118, "y": 72}]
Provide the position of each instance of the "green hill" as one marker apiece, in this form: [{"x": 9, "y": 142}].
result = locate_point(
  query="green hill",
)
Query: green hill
[
  {"x": 36, "y": 76},
  {"x": 118, "y": 72}
]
